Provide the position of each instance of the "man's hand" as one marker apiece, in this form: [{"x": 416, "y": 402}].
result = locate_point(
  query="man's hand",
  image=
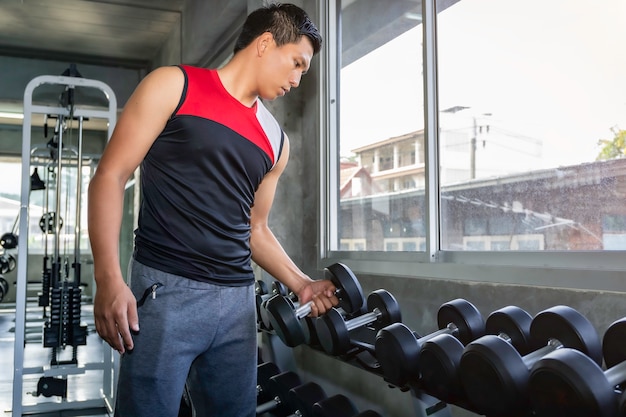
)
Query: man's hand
[
  {"x": 115, "y": 313},
  {"x": 322, "y": 293}
]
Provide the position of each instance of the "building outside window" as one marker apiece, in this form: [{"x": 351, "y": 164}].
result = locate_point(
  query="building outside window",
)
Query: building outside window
[{"x": 532, "y": 112}]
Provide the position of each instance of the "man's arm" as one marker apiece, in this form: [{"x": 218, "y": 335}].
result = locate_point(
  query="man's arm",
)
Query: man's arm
[
  {"x": 268, "y": 253},
  {"x": 143, "y": 118}
]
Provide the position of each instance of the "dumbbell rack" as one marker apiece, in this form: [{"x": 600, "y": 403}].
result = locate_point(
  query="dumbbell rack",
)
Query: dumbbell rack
[
  {"x": 56, "y": 373},
  {"x": 360, "y": 356}
]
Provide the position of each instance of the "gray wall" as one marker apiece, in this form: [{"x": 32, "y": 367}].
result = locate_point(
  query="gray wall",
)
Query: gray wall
[{"x": 18, "y": 72}]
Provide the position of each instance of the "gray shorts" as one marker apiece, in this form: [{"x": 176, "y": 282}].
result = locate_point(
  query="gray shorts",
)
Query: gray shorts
[{"x": 195, "y": 332}]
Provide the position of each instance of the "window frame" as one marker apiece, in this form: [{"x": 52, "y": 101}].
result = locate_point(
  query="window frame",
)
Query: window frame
[{"x": 585, "y": 270}]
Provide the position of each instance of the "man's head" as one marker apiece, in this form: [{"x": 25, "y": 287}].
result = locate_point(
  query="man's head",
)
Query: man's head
[{"x": 286, "y": 22}]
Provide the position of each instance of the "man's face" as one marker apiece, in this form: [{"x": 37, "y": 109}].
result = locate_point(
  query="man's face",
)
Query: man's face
[{"x": 283, "y": 67}]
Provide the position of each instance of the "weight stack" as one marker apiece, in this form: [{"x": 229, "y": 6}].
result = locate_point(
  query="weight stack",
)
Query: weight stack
[{"x": 64, "y": 327}]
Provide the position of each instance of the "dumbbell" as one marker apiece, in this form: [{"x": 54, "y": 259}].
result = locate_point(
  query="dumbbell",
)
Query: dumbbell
[
  {"x": 302, "y": 398},
  {"x": 285, "y": 318},
  {"x": 262, "y": 295},
  {"x": 398, "y": 347},
  {"x": 333, "y": 332},
  {"x": 439, "y": 358},
  {"x": 280, "y": 288},
  {"x": 277, "y": 388},
  {"x": 260, "y": 287},
  {"x": 264, "y": 372},
  {"x": 339, "y": 406},
  {"x": 569, "y": 383},
  {"x": 495, "y": 375},
  {"x": 307, "y": 322}
]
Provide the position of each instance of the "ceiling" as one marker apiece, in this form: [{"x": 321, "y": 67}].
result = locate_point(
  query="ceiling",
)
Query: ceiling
[{"x": 127, "y": 33}]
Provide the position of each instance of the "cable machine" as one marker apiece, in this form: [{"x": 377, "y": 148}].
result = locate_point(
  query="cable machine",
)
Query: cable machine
[{"x": 61, "y": 288}]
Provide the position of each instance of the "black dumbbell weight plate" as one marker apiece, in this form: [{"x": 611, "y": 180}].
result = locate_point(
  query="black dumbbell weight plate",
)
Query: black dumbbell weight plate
[
  {"x": 515, "y": 323},
  {"x": 465, "y": 316},
  {"x": 493, "y": 374},
  {"x": 336, "y": 406},
  {"x": 567, "y": 383},
  {"x": 397, "y": 352},
  {"x": 332, "y": 333},
  {"x": 279, "y": 386},
  {"x": 613, "y": 343},
  {"x": 386, "y": 303},
  {"x": 281, "y": 317},
  {"x": 438, "y": 363},
  {"x": 265, "y": 371},
  {"x": 260, "y": 309},
  {"x": 310, "y": 333},
  {"x": 570, "y": 328},
  {"x": 351, "y": 297},
  {"x": 303, "y": 397}
]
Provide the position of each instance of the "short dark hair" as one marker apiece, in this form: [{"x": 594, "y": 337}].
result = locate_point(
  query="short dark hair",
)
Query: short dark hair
[{"x": 286, "y": 22}]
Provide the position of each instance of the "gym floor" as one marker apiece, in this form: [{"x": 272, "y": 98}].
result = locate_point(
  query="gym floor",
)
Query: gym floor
[{"x": 80, "y": 387}]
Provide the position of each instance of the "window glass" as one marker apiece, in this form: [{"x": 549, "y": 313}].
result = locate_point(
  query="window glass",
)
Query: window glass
[
  {"x": 532, "y": 126},
  {"x": 381, "y": 127},
  {"x": 10, "y": 188},
  {"x": 532, "y": 98},
  {"x": 42, "y": 202}
]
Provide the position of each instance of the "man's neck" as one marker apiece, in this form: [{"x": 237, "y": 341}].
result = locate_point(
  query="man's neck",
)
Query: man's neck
[{"x": 238, "y": 80}]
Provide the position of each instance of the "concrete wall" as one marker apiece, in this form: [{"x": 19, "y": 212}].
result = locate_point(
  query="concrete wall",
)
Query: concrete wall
[{"x": 18, "y": 72}]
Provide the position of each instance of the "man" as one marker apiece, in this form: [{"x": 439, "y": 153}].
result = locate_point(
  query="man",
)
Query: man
[{"x": 210, "y": 155}]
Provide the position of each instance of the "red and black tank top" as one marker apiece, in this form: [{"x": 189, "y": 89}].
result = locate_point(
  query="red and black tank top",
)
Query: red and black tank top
[{"x": 198, "y": 182}]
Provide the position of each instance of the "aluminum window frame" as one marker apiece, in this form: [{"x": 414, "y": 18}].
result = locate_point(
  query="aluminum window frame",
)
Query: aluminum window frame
[{"x": 585, "y": 270}]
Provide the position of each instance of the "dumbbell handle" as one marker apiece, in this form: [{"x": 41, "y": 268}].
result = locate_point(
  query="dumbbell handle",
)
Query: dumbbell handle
[
  {"x": 305, "y": 309},
  {"x": 265, "y": 407},
  {"x": 532, "y": 357},
  {"x": 616, "y": 375},
  {"x": 363, "y": 319},
  {"x": 505, "y": 337},
  {"x": 451, "y": 329}
]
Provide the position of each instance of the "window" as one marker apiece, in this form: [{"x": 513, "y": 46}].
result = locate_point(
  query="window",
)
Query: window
[
  {"x": 381, "y": 109},
  {"x": 532, "y": 120},
  {"x": 42, "y": 217},
  {"x": 530, "y": 94},
  {"x": 614, "y": 232}
]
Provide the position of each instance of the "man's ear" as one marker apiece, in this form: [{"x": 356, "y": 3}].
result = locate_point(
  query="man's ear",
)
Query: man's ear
[{"x": 264, "y": 41}]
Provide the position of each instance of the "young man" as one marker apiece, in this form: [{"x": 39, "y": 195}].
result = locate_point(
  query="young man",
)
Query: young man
[{"x": 210, "y": 156}]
